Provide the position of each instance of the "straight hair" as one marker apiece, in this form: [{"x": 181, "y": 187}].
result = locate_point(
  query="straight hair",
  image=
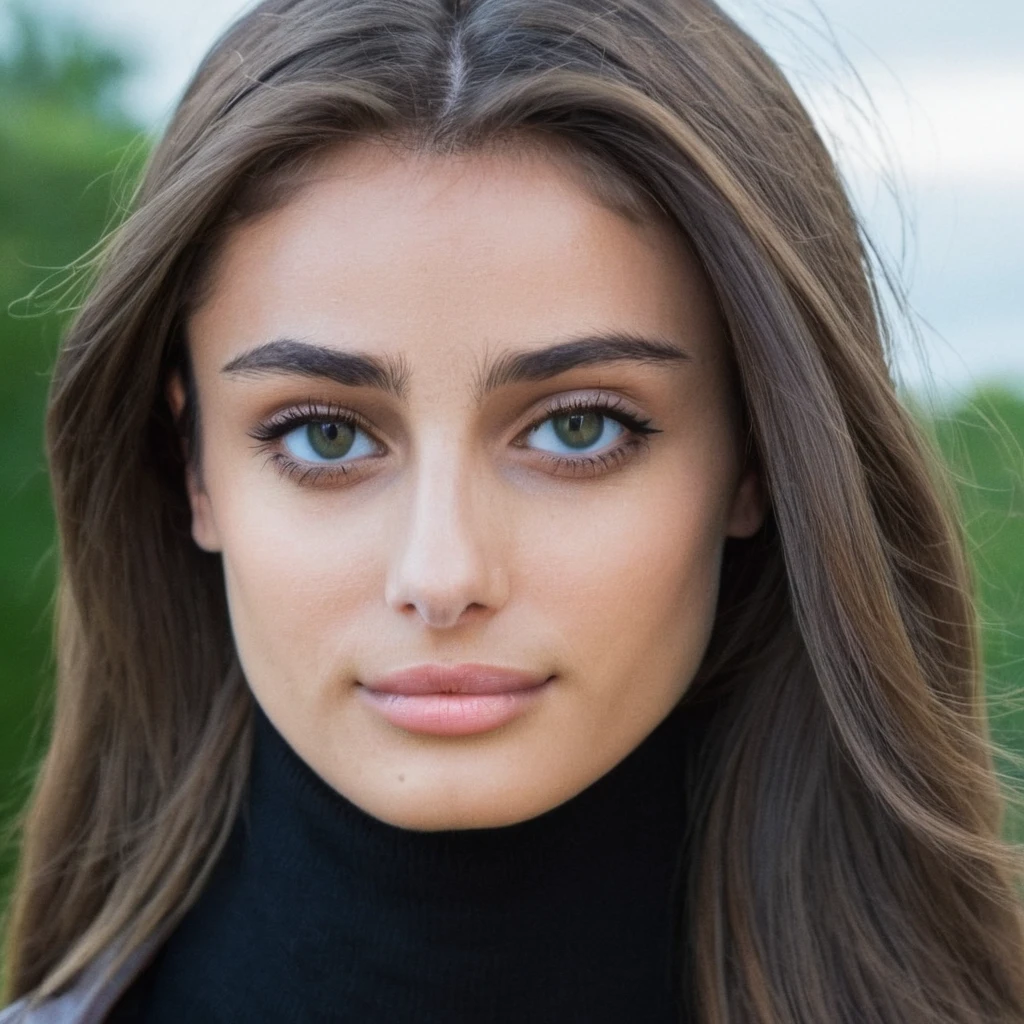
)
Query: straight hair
[{"x": 846, "y": 860}]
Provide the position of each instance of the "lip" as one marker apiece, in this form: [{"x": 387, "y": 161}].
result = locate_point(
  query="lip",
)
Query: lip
[
  {"x": 466, "y": 678},
  {"x": 453, "y": 700}
]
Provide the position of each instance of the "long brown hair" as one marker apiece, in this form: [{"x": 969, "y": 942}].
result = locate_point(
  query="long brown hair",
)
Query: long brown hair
[{"x": 846, "y": 862}]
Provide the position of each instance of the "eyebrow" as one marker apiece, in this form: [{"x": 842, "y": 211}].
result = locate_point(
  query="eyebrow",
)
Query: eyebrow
[{"x": 390, "y": 374}]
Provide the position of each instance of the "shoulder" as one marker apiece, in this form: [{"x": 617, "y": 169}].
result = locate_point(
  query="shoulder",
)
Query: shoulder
[{"x": 92, "y": 995}]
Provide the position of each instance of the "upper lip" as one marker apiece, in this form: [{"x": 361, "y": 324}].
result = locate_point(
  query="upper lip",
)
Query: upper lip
[{"x": 467, "y": 678}]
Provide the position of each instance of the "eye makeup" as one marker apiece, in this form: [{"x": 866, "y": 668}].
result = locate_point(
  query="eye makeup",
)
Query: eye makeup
[{"x": 273, "y": 433}]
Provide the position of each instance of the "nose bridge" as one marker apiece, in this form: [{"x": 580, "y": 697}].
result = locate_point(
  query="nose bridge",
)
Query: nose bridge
[{"x": 445, "y": 559}]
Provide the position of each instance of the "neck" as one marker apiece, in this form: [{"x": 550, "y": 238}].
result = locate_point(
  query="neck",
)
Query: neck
[{"x": 324, "y": 912}]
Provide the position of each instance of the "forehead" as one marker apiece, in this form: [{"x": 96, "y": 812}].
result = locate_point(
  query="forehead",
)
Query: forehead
[{"x": 386, "y": 249}]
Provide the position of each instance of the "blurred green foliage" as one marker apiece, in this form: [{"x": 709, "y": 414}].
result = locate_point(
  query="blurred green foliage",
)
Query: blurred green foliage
[
  {"x": 981, "y": 440},
  {"x": 67, "y": 152},
  {"x": 61, "y": 64},
  {"x": 64, "y": 147}
]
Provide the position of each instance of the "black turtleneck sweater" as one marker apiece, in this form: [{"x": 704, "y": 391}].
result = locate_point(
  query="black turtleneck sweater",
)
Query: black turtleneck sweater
[{"x": 320, "y": 912}]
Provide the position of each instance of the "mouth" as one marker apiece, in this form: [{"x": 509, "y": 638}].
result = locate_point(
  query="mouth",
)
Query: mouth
[
  {"x": 460, "y": 705},
  {"x": 467, "y": 678}
]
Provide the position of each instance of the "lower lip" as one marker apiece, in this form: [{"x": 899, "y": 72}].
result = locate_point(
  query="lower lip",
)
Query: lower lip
[{"x": 453, "y": 714}]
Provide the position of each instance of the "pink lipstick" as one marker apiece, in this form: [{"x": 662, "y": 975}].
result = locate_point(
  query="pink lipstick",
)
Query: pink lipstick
[{"x": 453, "y": 700}]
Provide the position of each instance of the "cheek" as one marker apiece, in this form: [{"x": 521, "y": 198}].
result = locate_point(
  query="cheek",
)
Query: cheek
[
  {"x": 631, "y": 579},
  {"x": 297, "y": 580}
]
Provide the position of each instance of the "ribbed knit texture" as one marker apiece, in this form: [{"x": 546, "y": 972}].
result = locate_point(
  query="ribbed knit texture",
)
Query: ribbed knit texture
[{"x": 320, "y": 912}]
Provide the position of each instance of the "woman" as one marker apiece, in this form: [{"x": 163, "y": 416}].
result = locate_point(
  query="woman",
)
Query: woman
[{"x": 499, "y": 581}]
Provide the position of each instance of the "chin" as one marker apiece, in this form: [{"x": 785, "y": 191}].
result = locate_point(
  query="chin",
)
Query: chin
[{"x": 424, "y": 812}]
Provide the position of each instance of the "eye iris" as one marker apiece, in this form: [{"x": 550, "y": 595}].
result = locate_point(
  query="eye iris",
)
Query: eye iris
[
  {"x": 330, "y": 440},
  {"x": 581, "y": 428}
]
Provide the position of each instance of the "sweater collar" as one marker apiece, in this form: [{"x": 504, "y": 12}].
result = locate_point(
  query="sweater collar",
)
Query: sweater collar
[{"x": 325, "y": 912}]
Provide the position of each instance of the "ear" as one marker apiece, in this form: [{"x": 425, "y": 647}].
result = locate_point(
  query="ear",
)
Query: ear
[
  {"x": 749, "y": 505},
  {"x": 204, "y": 528}
]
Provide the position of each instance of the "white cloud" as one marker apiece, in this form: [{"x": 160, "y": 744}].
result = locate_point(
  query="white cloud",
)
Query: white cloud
[{"x": 939, "y": 124}]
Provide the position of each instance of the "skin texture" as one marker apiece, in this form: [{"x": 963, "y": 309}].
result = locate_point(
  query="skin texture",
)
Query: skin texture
[{"x": 456, "y": 537}]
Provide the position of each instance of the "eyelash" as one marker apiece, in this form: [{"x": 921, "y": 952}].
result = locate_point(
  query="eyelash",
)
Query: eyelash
[{"x": 268, "y": 432}]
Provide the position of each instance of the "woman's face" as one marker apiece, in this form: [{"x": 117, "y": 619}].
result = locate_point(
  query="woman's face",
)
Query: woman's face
[{"x": 396, "y": 475}]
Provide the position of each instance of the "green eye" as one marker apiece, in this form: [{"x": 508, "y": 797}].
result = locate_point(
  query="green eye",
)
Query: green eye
[
  {"x": 324, "y": 441},
  {"x": 330, "y": 440},
  {"x": 578, "y": 429}
]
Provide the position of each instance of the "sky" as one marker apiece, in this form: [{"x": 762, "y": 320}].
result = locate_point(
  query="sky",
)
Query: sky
[{"x": 921, "y": 101}]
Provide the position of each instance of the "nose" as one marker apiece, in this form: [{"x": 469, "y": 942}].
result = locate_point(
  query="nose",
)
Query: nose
[{"x": 446, "y": 563}]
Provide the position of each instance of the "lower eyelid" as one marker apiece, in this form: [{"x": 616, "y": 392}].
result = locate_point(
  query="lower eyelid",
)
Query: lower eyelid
[
  {"x": 302, "y": 471},
  {"x": 584, "y": 465}
]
